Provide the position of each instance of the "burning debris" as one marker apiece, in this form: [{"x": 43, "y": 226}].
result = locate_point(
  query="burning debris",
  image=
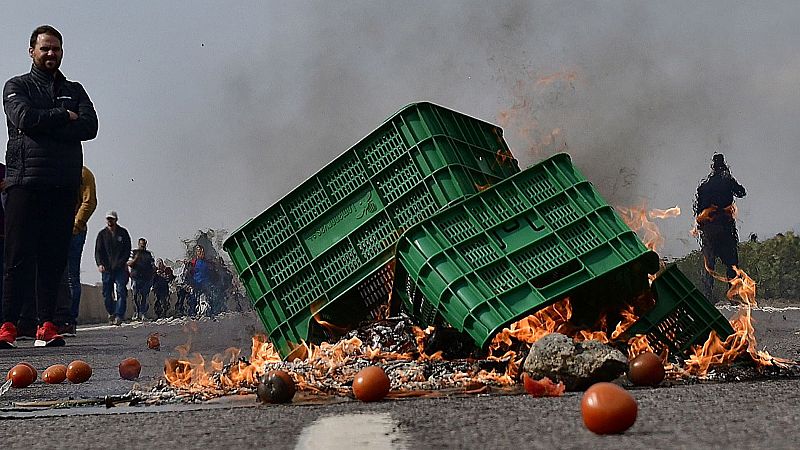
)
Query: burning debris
[
  {"x": 329, "y": 369},
  {"x": 441, "y": 361},
  {"x": 417, "y": 363},
  {"x": 742, "y": 343}
]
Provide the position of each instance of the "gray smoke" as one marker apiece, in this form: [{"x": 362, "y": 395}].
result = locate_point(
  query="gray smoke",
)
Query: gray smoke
[{"x": 210, "y": 113}]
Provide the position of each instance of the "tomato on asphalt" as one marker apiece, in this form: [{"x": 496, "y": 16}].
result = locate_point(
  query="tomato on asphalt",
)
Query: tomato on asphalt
[
  {"x": 646, "y": 369},
  {"x": 79, "y": 371},
  {"x": 371, "y": 384},
  {"x": 21, "y": 376},
  {"x": 608, "y": 409},
  {"x": 55, "y": 374},
  {"x": 130, "y": 368}
]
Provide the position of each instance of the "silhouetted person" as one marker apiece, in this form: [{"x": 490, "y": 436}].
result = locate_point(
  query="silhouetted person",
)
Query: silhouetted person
[{"x": 713, "y": 210}]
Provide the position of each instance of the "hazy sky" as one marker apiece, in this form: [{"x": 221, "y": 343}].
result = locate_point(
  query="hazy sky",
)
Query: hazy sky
[{"x": 211, "y": 111}]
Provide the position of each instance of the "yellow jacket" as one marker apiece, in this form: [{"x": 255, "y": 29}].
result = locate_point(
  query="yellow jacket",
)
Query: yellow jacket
[{"x": 87, "y": 201}]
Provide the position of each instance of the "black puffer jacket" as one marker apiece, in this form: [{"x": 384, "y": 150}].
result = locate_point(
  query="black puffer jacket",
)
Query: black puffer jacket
[{"x": 44, "y": 146}]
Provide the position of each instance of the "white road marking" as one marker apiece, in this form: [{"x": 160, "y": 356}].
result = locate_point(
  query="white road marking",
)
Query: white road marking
[
  {"x": 769, "y": 309},
  {"x": 352, "y": 431}
]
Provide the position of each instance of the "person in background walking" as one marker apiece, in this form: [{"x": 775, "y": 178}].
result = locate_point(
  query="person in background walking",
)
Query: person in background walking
[
  {"x": 111, "y": 251},
  {"x": 142, "y": 270},
  {"x": 183, "y": 291},
  {"x": 201, "y": 273},
  {"x": 161, "y": 280},
  {"x": 69, "y": 296}
]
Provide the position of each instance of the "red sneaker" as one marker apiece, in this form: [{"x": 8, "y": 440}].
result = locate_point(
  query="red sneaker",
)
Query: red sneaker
[
  {"x": 8, "y": 335},
  {"x": 47, "y": 336}
]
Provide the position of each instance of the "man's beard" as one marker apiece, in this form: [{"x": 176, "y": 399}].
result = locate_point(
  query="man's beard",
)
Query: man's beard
[{"x": 41, "y": 64}]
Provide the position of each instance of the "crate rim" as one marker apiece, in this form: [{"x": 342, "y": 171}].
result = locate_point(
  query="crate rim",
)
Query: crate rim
[{"x": 318, "y": 171}]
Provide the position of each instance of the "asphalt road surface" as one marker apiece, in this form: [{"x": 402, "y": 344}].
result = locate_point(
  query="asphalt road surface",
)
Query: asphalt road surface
[{"x": 747, "y": 414}]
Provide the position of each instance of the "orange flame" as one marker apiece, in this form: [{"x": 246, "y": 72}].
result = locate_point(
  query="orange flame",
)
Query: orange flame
[
  {"x": 706, "y": 215},
  {"x": 675, "y": 211},
  {"x": 710, "y": 214},
  {"x": 421, "y": 336},
  {"x": 553, "y": 319},
  {"x": 332, "y": 329},
  {"x": 638, "y": 219},
  {"x": 191, "y": 371},
  {"x": 715, "y": 352},
  {"x": 228, "y": 372},
  {"x": 637, "y": 345}
]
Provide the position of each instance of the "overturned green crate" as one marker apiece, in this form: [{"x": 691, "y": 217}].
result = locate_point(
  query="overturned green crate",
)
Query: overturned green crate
[
  {"x": 516, "y": 247},
  {"x": 682, "y": 316},
  {"x": 323, "y": 249}
]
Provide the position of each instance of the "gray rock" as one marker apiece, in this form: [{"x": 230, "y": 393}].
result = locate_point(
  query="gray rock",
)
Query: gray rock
[{"x": 577, "y": 364}]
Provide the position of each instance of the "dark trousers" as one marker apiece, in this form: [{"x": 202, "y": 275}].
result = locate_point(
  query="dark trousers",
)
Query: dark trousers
[
  {"x": 161, "y": 306},
  {"x": 141, "y": 290},
  {"x": 38, "y": 226},
  {"x": 74, "y": 272},
  {"x": 116, "y": 281},
  {"x": 69, "y": 290},
  {"x": 722, "y": 244}
]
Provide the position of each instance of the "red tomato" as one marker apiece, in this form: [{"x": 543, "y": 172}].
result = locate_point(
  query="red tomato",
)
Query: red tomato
[
  {"x": 21, "y": 376},
  {"x": 35, "y": 373},
  {"x": 608, "y": 409},
  {"x": 55, "y": 374},
  {"x": 276, "y": 386},
  {"x": 78, "y": 371},
  {"x": 371, "y": 384},
  {"x": 646, "y": 370},
  {"x": 542, "y": 388},
  {"x": 152, "y": 342},
  {"x": 130, "y": 368}
]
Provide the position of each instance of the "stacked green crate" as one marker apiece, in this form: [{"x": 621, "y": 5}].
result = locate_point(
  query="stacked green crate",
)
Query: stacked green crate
[
  {"x": 516, "y": 247},
  {"x": 323, "y": 250}
]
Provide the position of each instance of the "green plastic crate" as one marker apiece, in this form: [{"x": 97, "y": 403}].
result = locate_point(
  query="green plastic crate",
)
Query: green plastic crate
[
  {"x": 516, "y": 247},
  {"x": 682, "y": 316},
  {"x": 317, "y": 248}
]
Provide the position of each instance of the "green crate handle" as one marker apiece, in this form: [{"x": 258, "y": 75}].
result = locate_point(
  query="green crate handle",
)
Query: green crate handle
[{"x": 513, "y": 234}]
